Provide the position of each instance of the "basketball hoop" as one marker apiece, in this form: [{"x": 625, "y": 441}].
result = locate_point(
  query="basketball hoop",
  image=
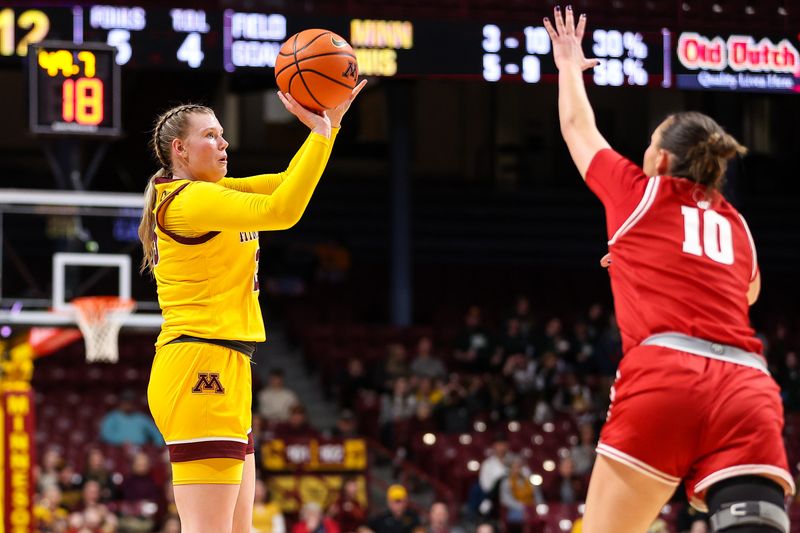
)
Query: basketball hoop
[{"x": 99, "y": 319}]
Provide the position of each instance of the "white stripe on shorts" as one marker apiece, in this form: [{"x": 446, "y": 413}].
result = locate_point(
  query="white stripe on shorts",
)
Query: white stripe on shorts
[{"x": 636, "y": 464}]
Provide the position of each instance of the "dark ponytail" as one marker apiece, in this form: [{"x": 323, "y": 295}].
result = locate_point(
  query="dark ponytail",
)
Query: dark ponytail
[{"x": 700, "y": 148}]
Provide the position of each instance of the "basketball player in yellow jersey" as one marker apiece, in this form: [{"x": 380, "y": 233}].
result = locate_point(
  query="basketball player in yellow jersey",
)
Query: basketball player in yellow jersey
[{"x": 199, "y": 232}]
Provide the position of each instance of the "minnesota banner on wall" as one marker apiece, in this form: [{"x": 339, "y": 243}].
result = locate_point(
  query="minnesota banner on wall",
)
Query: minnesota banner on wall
[{"x": 17, "y": 457}]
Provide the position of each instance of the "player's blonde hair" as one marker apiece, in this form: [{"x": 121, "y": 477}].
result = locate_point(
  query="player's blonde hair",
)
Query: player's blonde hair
[
  {"x": 701, "y": 148},
  {"x": 169, "y": 126}
]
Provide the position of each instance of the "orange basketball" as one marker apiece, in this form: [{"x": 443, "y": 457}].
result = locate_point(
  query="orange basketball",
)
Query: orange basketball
[{"x": 318, "y": 68}]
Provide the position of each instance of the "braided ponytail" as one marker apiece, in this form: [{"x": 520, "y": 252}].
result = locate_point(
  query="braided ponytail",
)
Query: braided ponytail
[
  {"x": 169, "y": 126},
  {"x": 701, "y": 148}
]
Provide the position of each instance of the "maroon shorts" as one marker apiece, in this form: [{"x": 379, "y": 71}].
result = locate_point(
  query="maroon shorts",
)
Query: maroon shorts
[{"x": 676, "y": 415}]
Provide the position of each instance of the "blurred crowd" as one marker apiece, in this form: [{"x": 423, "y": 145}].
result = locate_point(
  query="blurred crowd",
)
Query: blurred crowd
[{"x": 517, "y": 367}]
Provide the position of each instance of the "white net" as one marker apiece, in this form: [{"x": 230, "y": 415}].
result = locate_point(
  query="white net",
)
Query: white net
[{"x": 100, "y": 319}]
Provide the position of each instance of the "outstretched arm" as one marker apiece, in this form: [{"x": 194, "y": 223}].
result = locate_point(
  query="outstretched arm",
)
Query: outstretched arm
[
  {"x": 267, "y": 183},
  {"x": 575, "y": 112},
  {"x": 208, "y": 207}
]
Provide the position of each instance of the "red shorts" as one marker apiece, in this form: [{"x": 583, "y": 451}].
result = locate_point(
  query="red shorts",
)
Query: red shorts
[{"x": 676, "y": 415}]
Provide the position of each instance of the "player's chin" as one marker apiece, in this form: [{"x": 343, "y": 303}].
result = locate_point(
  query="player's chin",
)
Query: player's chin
[{"x": 220, "y": 171}]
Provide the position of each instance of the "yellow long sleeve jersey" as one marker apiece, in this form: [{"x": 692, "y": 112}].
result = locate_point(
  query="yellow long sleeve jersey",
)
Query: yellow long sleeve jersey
[{"x": 206, "y": 263}]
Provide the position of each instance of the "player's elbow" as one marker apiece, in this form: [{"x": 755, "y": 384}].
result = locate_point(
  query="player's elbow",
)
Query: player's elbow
[
  {"x": 567, "y": 122},
  {"x": 573, "y": 125},
  {"x": 285, "y": 218}
]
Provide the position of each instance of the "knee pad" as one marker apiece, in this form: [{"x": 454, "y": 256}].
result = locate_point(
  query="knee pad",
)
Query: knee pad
[{"x": 747, "y": 504}]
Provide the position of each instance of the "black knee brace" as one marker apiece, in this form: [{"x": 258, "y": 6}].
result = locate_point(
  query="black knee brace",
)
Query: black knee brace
[{"x": 747, "y": 504}]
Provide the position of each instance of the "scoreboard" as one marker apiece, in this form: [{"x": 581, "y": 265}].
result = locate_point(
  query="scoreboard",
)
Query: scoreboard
[
  {"x": 231, "y": 41},
  {"x": 74, "y": 89}
]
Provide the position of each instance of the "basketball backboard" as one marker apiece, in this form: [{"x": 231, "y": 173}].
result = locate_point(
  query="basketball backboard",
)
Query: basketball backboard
[{"x": 60, "y": 245}]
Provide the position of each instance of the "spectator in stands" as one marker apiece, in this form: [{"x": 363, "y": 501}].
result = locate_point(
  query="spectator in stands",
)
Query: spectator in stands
[
  {"x": 553, "y": 339},
  {"x": 473, "y": 345},
  {"x": 267, "y": 514},
  {"x": 313, "y": 521},
  {"x": 428, "y": 391},
  {"x": 126, "y": 425},
  {"x": 398, "y": 406},
  {"x": 275, "y": 401},
  {"x": 549, "y": 370},
  {"x": 512, "y": 343},
  {"x": 140, "y": 496},
  {"x": 583, "y": 454},
  {"x": 453, "y": 413},
  {"x": 596, "y": 320},
  {"x": 789, "y": 380},
  {"x": 522, "y": 313},
  {"x": 94, "y": 514},
  {"x": 426, "y": 364},
  {"x": 505, "y": 403},
  {"x": 423, "y": 421},
  {"x": 548, "y": 374},
  {"x": 347, "y": 510},
  {"x": 608, "y": 349},
  {"x": 97, "y": 470},
  {"x": 92, "y": 520},
  {"x": 516, "y": 494},
  {"x": 69, "y": 483},
  {"x": 49, "y": 511},
  {"x": 297, "y": 425},
  {"x": 396, "y": 366},
  {"x": 398, "y": 518},
  {"x": 351, "y": 382},
  {"x": 572, "y": 396},
  {"x": 439, "y": 520},
  {"x": 139, "y": 483},
  {"x": 571, "y": 487},
  {"x": 90, "y": 495},
  {"x": 493, "y": 469},
  {"x": 48, "y": 472},
  {"x": 520, "y": 369},
  {"x": 582, "y": 356},
  {"x": 346, "y": 426}
]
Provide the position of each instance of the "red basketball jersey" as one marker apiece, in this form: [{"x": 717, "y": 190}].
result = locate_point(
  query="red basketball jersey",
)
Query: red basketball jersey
[{"x": 681, "y": 259}]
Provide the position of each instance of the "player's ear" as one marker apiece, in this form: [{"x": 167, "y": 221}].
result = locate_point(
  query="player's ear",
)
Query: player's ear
[
  {"x": 178, "y": 147},
  {"x": 662, "y": 162}
]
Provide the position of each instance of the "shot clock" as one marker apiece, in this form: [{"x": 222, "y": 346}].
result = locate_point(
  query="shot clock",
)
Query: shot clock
[{"x": 73, "y": 89}]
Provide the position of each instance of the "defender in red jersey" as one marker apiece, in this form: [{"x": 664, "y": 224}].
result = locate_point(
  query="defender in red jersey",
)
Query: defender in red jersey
[{"x": 693, "y": 399}]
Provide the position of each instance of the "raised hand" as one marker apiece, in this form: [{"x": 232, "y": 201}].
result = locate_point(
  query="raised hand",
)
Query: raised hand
[
  {"x": 338, "y": 112},
  {"x": 317, "y": 122},
  {"x": 566, "y": 38}
]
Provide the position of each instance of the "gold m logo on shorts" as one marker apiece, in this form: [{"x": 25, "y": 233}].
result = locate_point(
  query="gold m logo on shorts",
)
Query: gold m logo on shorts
[{"x": 208, "y": 382}]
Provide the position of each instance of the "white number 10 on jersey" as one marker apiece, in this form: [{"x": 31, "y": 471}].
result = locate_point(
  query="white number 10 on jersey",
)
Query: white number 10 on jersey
[{"x": 717, "y": 242}]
